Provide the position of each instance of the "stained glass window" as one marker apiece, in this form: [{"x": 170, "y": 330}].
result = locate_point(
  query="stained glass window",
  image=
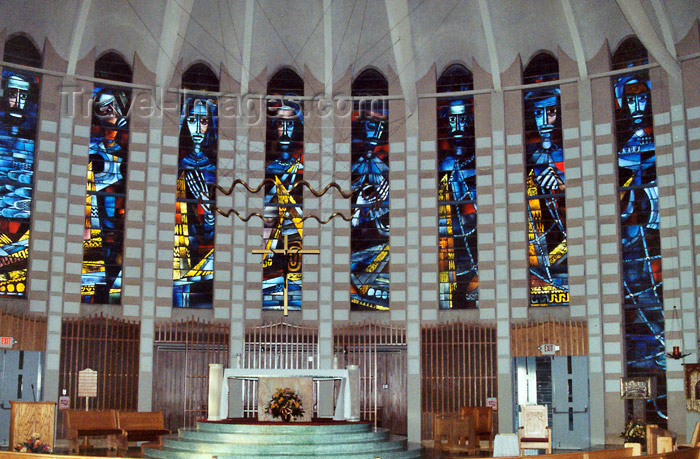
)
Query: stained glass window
[
  {"x": 108, "y": 160},
  {"x": 195, "y": 203},
  {"x": 19, "y": 100},
  {"x": 369, "y": 236},
  {"x": 546, "y": 186},
  {"x": 284, "y": 204},
  {"x": 643, "y": 317},
  {"x": 457, "y": 248}
]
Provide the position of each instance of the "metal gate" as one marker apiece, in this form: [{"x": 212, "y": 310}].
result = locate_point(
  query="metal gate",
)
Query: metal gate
[
  {"x": 109, "y": 346},
  {"x": 458, "y": 368},
  {"x": 278, "y": 346}
]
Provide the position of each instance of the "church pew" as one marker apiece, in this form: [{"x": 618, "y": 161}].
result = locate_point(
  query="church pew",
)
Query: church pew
[
  {"x": 85, "y": 424},
  {"x": 685, "y": 453},
  {"x": 146, "y": 426}
]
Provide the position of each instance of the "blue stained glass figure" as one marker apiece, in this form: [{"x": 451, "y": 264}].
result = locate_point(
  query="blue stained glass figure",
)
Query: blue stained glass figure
[
  {"x": 195, "y": 205},
  {"x": 642, "y": 282},
  {"x": 639, "y": 211},
  {"x": 546, "y": 205},
  {"x": 105, "y": 201},
  {"x": 17, "y": 143},
  {"x": 457, "y": 205}
]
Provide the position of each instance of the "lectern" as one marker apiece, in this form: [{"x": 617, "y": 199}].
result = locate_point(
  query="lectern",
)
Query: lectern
[{"x": 29, "y": 418}]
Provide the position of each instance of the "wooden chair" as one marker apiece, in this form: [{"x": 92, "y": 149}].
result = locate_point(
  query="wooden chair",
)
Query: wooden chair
[
  {"x": 454, "y": 434},
  {"x": 694, "y": 439},
  {"x": 534, "y": 433},
  {"x": 483, "y": 423}
]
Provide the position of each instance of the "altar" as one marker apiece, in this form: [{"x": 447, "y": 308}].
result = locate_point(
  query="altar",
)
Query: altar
[{"x": 226, "y": 383}]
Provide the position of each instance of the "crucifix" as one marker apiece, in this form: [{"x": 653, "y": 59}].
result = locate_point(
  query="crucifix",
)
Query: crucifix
[{"x": 286, "y": 251}]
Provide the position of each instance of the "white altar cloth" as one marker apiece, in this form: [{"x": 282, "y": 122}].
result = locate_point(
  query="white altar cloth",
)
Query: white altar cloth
[
  {"x": 505, "y": 444},
  {"x": 343, "y": 405}
]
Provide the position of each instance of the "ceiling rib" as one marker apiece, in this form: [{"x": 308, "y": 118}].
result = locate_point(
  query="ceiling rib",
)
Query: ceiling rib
[
  {"x": 400, "y": 27},
  {"x": 172, "y": 37},
  {"x": 575, "y": 38},
  {"x": 490, "y": 44},
  {"x": 328, "y": 47},
  {"x": 639, "y": 21},
  {"x": 247, "y": 46},
  {"x": 666, "y": 30},
  {"x": 78, "y": 33}
]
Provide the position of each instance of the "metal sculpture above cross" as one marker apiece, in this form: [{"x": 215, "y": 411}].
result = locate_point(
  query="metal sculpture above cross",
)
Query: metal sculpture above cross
[{"x": 286, "y": 251}]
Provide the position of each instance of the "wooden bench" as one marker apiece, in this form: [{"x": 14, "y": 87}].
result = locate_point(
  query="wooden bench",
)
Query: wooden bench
[
  {"x": 146, "y": 426},
  {"x": 85, "y": 424}
]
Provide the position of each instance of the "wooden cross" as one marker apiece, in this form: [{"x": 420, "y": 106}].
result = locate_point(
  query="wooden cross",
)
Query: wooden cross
[{"x": 286, "y": 251}]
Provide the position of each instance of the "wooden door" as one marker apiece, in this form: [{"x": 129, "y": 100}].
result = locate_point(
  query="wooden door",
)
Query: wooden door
[
  {"x": 182, "y": 353},
  {"x": 181, "y": 383},
  {"x": 391, "y": 390},
  {"x": 169, "y": 364}
]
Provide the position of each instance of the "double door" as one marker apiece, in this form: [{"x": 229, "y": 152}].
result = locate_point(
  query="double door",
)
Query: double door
[
  {"x": 560, "y": 383},
  {"x": 20, "y": 379}
]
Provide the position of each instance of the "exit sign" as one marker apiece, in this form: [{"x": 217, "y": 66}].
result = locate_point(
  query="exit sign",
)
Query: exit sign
[
  {"x": 548, "y": 349},
  {"x": 6, "y": 342}
]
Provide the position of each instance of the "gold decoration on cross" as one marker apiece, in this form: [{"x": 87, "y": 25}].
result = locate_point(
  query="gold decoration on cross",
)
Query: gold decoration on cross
[{"x": 286, "y": 251}]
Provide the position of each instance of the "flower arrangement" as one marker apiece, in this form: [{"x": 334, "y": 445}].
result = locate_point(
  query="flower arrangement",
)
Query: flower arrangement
[
  {"x": 33, "y": 445},
  {"x": 285, "y": 404},
  {"x": 635, "y": 432}
]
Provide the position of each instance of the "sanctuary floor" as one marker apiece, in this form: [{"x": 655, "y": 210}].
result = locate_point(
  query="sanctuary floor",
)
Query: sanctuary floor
[{"x": 134, "y": 451}]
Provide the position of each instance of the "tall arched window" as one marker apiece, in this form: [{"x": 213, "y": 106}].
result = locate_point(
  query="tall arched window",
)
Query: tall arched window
[
  {"x": 284, "y": 202},
  {"x": 105, "y": 200},
  {"x": 643, "y": 317},
  {"x": 459, "y": 275},
  {"x": 20, "y": 97},
  {"x": 369, "y": 237},
  {"x": 546, "y": 185},
  {"x": 193, "y": 274}
]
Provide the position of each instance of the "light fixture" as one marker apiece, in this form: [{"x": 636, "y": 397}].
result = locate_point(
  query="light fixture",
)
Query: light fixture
[{"x": 677, "y": 353}]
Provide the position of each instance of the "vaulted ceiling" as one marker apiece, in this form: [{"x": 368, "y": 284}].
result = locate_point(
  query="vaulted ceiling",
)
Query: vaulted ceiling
[{"x": 332, "y": 37}]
